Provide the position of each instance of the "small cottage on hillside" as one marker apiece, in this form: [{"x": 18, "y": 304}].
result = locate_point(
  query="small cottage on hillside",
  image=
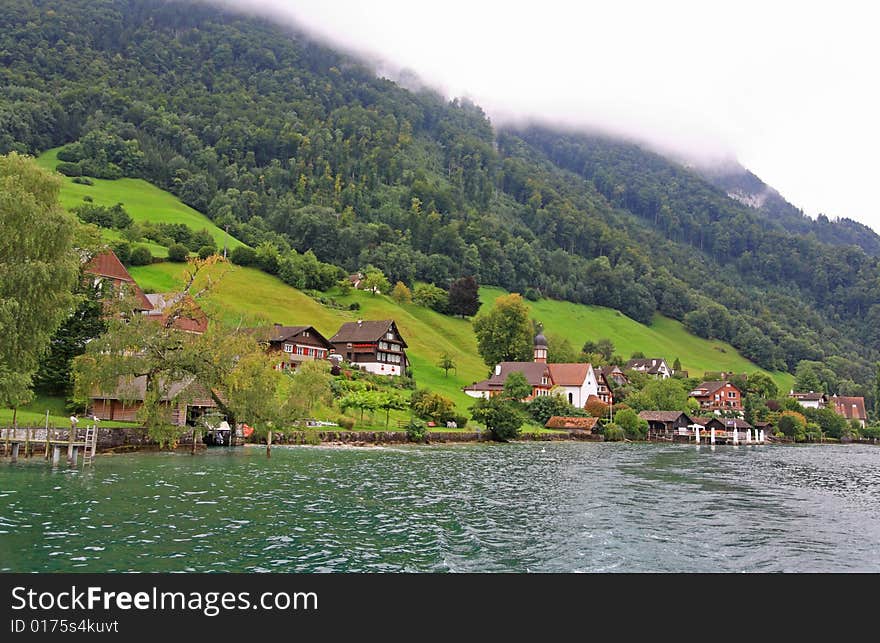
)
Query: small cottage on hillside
[
  {"x": 852, "y": 408},
  {"x": 374, "y": 346},
  {"x": 293, "y": 345},
  {"x": 111, "y": 277},
  {"x": 653, "y": 366},
  {"x": 810, "y": 400}
]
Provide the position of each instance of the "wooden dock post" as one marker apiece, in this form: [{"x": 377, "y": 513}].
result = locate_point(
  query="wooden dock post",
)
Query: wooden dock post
[
  {"x": 71, "y": 437},
  {"x": 15, "y": 446},
  {"x": 27, "y": 441},
  {"x": 46, "y": 453},
  {"x": 56, "y": 455},
  {"x": 712, "y": 435},
  {"x": 269, "y": 444},
  {"x": 72, "y": 459},
  {"x": 735, "y": 436}
]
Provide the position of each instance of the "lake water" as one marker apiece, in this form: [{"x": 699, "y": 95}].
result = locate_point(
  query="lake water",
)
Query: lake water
[{"x": 539, "y": 507}]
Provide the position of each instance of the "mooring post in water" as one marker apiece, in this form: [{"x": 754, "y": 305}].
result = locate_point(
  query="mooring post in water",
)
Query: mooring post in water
[
  {"x": 762, "y": 436},
  {"x": 192, "y": 450},
  {"x": 46, "y": 451},
  {"x": 269, "y": 444},
  {"x": 70, "y": 438},
  {"x": 712, "y": 435},
  {"x": 735, "y": 436},
  {"x": 15, "y": 451},
  {"x": 73, "y": 457},
  {"x": 56, "y": 455}
]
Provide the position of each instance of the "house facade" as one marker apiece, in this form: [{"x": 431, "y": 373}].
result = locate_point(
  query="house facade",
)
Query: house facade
[
  {"x": 653, "y": 366},
  {"x": 374, "y": 346},
  {"x": 603, "y": 389},
  {"x": 537, "y": 374},
  {"x": 184, "y": 401},
  {"x": 576, "y": 381},
  {"x": 718, "y": 396},
  {"x": 852, "y": 408},
  {"x": 293, "y": 345},
  {"x": 810, "y": 400},
  {"x": 665, "y": 423}
]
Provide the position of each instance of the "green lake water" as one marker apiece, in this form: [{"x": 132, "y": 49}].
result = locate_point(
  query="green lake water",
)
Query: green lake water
[{"x": 551, "y": 507}]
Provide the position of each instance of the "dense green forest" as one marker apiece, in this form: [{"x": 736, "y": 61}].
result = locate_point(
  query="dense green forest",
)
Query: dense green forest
[{"x": 295, "y": 146}]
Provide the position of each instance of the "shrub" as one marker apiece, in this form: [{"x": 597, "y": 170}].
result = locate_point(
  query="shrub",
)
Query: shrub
[
  {"x": 416, "y": 431},
  {"x": 178, "y": 252},
  {"x": 83, "y": 180},
  {"x": 354, "y": 306},
  {"x": 122, "y": 249},
  {"x": 633, "y": 426},
  {"x": 141, "y": 255},
  {"x": 345, "y": 422},
  {"x": 532, "y": 295},
  {"x": 243, "y": 256},
  {"x": 87, "y": 198},
  {"x": 206, "y": 251},
  {"x": 613, "y": 433}
]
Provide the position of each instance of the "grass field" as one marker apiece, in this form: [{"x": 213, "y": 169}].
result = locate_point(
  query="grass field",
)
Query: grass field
[
  {"x": 34, "y": 414},
  {"x": 665, "y": 337},
  {"x": 248, "y": 296},
  {"x": 142, "y": 200}
]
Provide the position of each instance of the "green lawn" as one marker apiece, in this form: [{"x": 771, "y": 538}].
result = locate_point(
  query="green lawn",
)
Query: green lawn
[
  {"x": 248, "y": 296},
  {"x": 142, "y": 200},
  {"x": 34, "y": 414},
  {"x": 665, "y": 337}
]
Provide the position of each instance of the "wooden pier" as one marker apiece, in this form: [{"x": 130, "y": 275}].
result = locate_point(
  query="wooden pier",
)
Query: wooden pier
[{"x": 26, "y": 441}]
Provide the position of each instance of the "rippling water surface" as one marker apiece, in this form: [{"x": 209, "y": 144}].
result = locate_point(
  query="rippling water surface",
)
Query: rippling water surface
[{"x": 585, "y": 507}]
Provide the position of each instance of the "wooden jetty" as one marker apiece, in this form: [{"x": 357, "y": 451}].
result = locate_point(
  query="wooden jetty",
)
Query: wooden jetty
[{"x": 25, "y": 441}]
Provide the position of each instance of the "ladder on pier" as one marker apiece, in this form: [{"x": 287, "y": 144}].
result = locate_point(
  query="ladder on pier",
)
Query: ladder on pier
[{"x": 91, "y": 443}]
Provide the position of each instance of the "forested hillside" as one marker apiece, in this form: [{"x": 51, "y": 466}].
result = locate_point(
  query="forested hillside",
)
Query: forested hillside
[{"x": 297, "y": 146}]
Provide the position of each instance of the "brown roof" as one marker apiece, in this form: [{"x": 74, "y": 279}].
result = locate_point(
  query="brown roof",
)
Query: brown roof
[
  {"x": 569, "y": 374},
  {"x": 191, "y": 317},
  {"x": 852, "y": 408},
  {"x": 662, "y": 416},
  {"x": 533, "y": 372},
  {"x": 278, "y": 333},
  {"x": 365, "y": 331},
  {"x": 807, "y": 397},
  {"x": 564, "y": 422},
  {"x": 135, "y": 389},
  {"x": 711, "y": 387},
  {"x": 107, "y": 265}
]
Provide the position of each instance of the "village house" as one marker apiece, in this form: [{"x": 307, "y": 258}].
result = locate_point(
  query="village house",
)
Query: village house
[
  {"x": 724, "y": 424},
  {"x": 111, "y": 278},
  {"x": 852, "y": 408},
  {"x": 187, "y": 314},
  {"x": 185, "y": 401},
  {"x": 575, "y": 382},
  {"x": 718, "y": 396},
  {"x": 810, "y": 400},
  {"x": 603, "y": 389},
  {"x": 665, "y": 423},
  {"x": 374, "y": 346},
  {"x": 293, "y": 345},
  {"x": 653, "y": 366}
]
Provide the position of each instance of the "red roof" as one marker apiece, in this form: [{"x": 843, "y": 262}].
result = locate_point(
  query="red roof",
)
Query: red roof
[
  {"x": 107, "y": 265},
  {"x": 852, "y": 408},
  {"x": 564, "y": 422},
  {"x": 568, "y": 374},
  {"x": 191, "y": 317}
]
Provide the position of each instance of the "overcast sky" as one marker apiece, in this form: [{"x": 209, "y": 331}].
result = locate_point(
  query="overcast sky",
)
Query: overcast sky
[{"x": 789, "y": 89}]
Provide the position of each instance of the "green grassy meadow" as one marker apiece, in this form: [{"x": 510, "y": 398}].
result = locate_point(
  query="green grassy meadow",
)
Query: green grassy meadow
[
  {"x": 142, "y": 200},
  {"x": 248, "y": 296},
  {"x": 665, "y": 337}
]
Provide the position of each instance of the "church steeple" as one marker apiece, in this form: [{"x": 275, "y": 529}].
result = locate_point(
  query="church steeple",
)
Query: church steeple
[{"x": 540, "y": 348}]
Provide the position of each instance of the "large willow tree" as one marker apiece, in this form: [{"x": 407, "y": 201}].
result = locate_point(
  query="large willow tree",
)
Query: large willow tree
[{"x": 38, "y": 270}]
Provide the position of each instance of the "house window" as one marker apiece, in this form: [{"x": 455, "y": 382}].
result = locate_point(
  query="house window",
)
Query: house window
[
  {"x": 543, "y": 380},
  {"x": 731, "y": 394},
  {"x": 288, "y": 348},
  {"x": 571, "y": 398},
  {"x": 305, "y": 333},
  {"x": 389, "y": 335}
]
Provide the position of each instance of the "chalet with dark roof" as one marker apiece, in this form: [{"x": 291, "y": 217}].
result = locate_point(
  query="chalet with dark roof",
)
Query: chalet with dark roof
[
  {"x": 374, "y": 346},
  {"x": 537, "y": 374},
  {"x": 652, "y": 366},
  {"x": 666, "y": 423},
  {"x": 293, "y": 345},
  {"x": 718, "y": 396}
]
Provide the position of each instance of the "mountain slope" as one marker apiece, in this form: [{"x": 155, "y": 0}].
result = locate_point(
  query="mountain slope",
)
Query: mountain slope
[{"x": 295, "y": 145}]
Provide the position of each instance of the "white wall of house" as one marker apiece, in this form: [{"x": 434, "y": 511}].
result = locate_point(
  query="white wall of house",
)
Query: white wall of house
[
  {"x": 477, "y": 394},
  {"x": 809, "y": 404},
  {"x": 578, "y": 395},
  {"x": 380, "y": 368}
]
